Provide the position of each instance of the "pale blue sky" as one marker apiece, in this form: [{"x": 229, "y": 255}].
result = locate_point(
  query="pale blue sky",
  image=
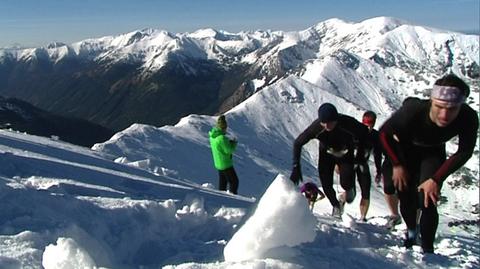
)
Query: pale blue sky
[{"x": 39, "y": 22}]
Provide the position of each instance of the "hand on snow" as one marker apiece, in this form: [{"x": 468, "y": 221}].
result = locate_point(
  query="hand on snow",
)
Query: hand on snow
[{"x": 296, "y": 175}]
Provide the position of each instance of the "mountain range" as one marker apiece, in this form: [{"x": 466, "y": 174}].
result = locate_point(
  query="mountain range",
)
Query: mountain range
[
  {"x": 147, "y": 197},
  {"x": 267, "y": 123},
  {"x": 156, "y": 77}
]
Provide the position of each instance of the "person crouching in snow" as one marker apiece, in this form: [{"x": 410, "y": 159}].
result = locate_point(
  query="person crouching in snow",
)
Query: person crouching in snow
[
  {"x": 222, "y": 152},
  {"x": 338, "y": 135},
  {"x": 311, "y": 192}
]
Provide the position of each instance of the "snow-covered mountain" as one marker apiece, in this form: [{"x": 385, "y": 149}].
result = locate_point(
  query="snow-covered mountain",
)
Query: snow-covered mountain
[
  {"x": 267, "y": 123},
  {"x": 156, "y": 77},
  {"x": 355, "y": 79},
  {"x": 146, "y": 198}
]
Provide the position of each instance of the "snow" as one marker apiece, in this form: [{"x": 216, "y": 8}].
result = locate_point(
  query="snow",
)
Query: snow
[
  {"x": 417, "y": 48},
  {"x": 147, "y": 197},
  {"x": 270, "y": 226},
  {"x": 66, "y": 254}
]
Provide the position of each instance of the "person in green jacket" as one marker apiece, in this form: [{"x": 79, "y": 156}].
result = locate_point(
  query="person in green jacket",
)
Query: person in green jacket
[{"x": 222, "y": 151}]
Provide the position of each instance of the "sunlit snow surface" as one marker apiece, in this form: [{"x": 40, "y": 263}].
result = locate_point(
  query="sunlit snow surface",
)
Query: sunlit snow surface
[
  {"x": 68, "y": 207},
  {"x": 147, "y": 198},
  {"x": 280, "y": 210}
]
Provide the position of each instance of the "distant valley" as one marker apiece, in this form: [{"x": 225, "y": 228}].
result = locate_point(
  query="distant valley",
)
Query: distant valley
[{"x": 21, "y": 116}]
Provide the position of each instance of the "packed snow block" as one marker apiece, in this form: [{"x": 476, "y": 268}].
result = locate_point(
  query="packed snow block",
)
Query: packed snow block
[
  {"x": 67, "y": 254},
  {"x": 282, "y": 218}
]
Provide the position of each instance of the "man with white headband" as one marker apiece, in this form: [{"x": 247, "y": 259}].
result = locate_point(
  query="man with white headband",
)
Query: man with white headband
[{"x": 414, "y": 138}]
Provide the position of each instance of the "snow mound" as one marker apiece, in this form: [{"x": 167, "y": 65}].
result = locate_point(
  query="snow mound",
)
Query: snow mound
[
  {"x": 66, "y": 254},
  {"x": 274, "y": 224}
]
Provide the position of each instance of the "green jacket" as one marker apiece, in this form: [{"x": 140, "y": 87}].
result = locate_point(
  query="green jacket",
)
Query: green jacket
[{"x": 222, "y": 149}]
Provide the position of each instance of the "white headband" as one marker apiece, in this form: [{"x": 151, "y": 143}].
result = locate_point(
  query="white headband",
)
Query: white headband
[{"x": 450, "y": 94}]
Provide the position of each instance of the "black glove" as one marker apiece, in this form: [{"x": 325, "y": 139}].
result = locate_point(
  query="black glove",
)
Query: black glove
[{"x": 296, "y": 175}]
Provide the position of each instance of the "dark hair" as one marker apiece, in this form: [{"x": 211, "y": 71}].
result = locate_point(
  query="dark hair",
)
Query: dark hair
[
  {"x": 222, "y": 122},
  {"x": 455, "y": 81},
  {"x": 370, "y": 114},
  {"x": 327, "y": 113}
]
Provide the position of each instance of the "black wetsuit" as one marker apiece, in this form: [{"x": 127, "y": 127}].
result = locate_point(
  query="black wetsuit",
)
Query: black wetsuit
[
  {"x": 362, "y": 169},
  {"x": 336, "y": 147},
  {"x": 421, "y": 150},
  {"x": 388, "y": 187}
]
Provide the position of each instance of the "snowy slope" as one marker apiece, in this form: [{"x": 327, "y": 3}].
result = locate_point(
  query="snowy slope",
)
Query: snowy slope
[
  {"x": 68, "y": 207},
  {"x": 121, "y": 215},
  {"x": 390, "y": 57},
  {"x": 146, "y": 198},
  {"x": 266, "y": 125}
]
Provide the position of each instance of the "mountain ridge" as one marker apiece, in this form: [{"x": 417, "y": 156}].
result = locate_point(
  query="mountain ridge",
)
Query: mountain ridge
[
  {"x": 118, "y": 80},
  {"x": 23, "y": 117}
]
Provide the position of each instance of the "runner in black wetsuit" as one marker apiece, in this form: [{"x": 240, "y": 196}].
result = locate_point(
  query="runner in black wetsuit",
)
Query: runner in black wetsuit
[
  {"x": 362, "y": 169},
  {"x": 414, "y": 138},
  {"x": 383, "y": 171},
  {"x": 338, "y": 135}
]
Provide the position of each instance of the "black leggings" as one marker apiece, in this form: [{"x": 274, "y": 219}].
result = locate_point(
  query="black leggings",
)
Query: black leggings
[
  {"x": 364, "y": 179},
  {"x": 228, "y": 176},
  {"x": 388, "y": 187},
  {"x": 326, "y": 166},
  {"x": 423, "y": 164}
]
